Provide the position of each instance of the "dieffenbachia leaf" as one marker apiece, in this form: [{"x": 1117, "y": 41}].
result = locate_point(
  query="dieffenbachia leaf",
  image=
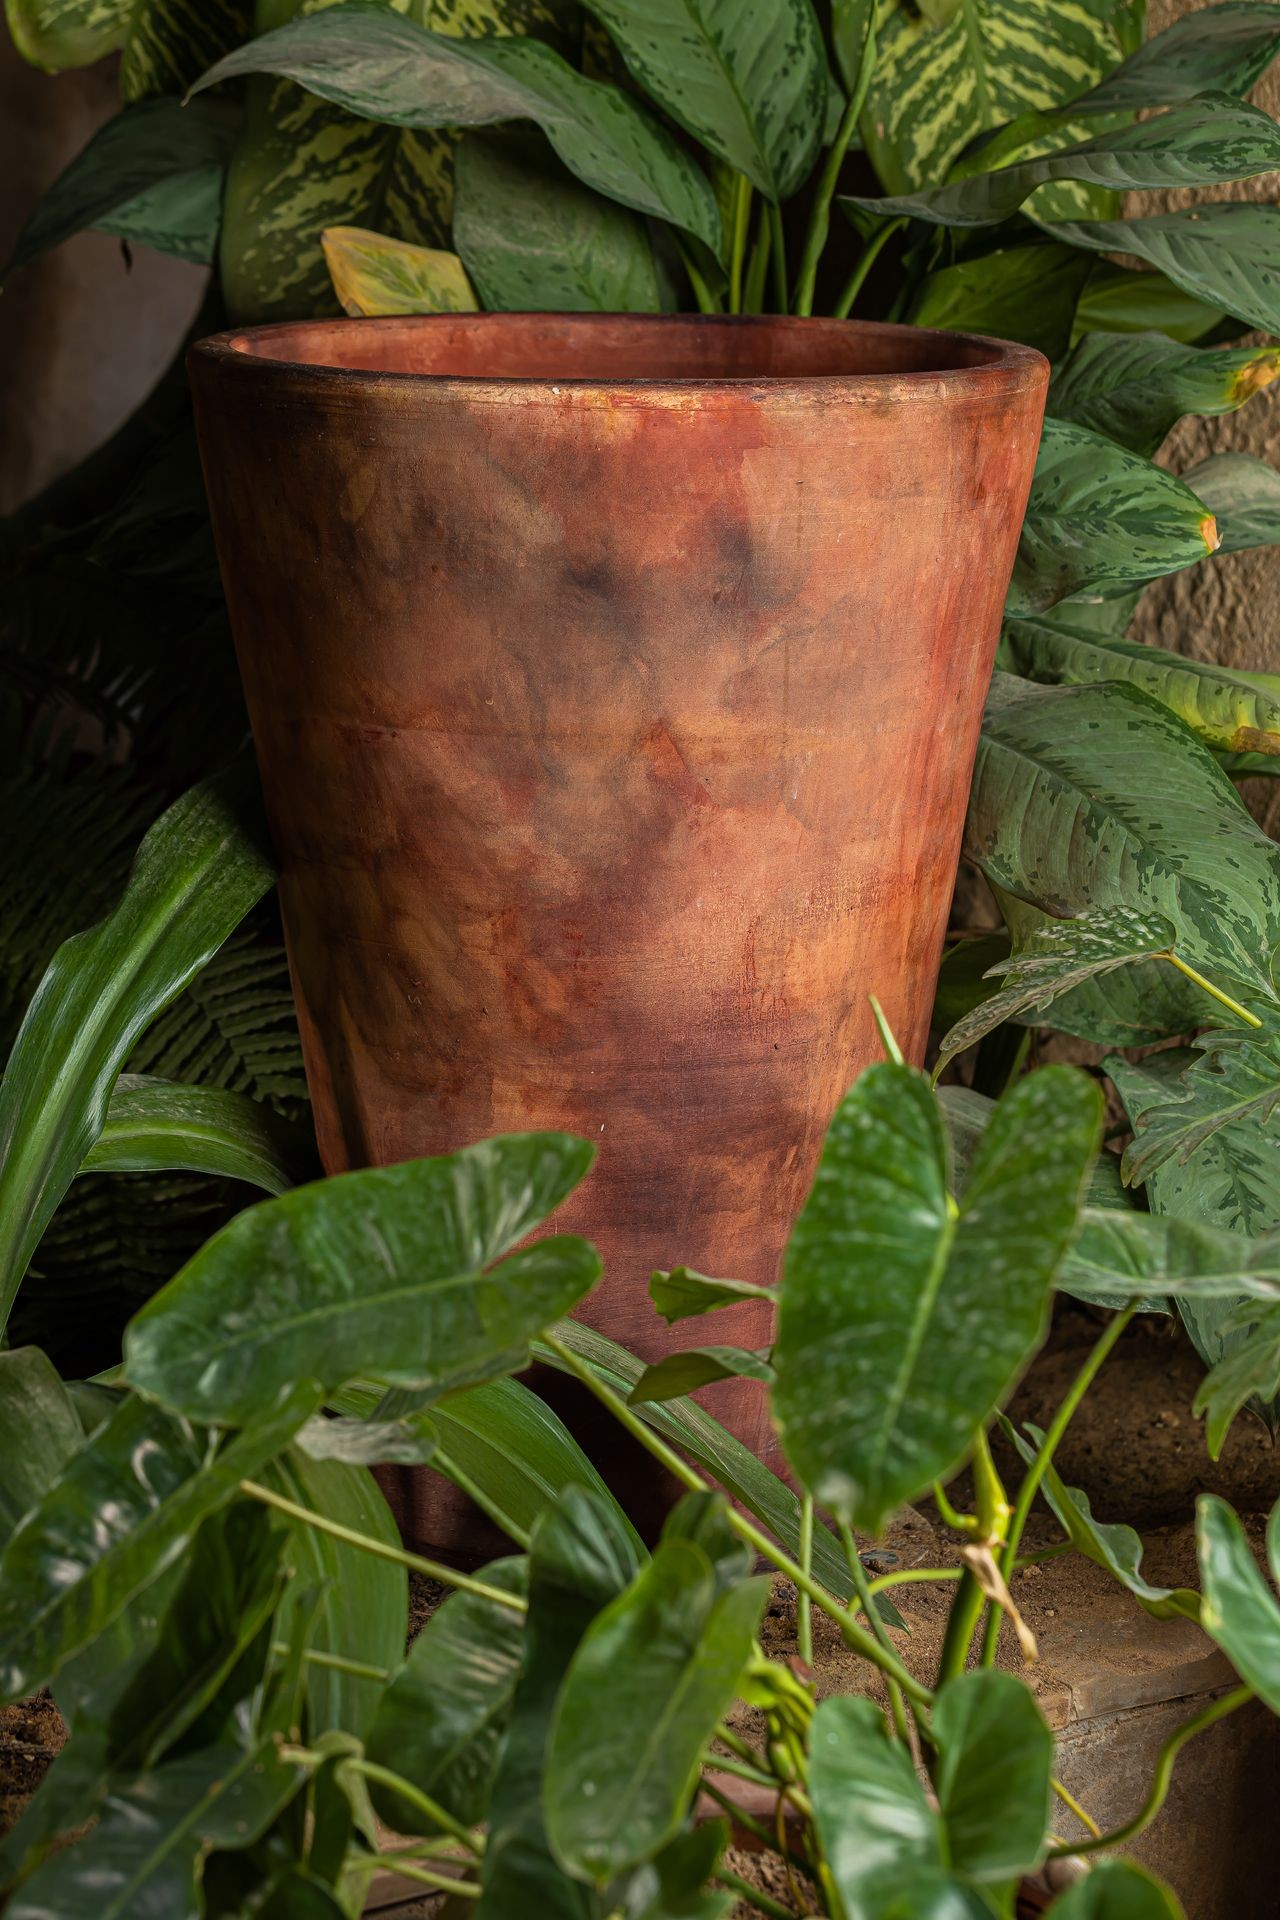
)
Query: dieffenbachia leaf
[
  {"x": 1135, "y": 387},
  {"x": 441, "y": 1722},
  {"x": 1117, "y": 1890},
  {"x": 1226, "y": 710},
  {"x": 666, "y": 1654},
  {"x": 158, "y": 1125},
  {"x": 1246, "y": 493},
  {"x": 681, "y": 1294},
  {"x": 1236, "y": 1078},
  {"x": 749, "y": 83},
  {"x": 905, "y": 1316},
  {"x": 39, "y": 1432},
  {"x": 1203, "y": 142},
  {"x": 698, "y": 1367},
  {"x": 163, "y": 44},
  {"x": 1239, "y": 1611},
  {"x": 1116, "y": 1547},
  {"x": 1221, "y": 252},
  {"x": 536, "y": 240},
  {"x": 152, "y": 175},
  {"x": 1123, "y": 1254},
  {"x": 1099, "y": 515},
  {"x": 373, "y": 273},
  {"x": 197, "y": 873},
  {"x": 1077, "y": 790},
  {"x": 382, "y": 1272},
  {"x": 384, "y": 67},
  {"x": 1247, "y": 1372},
  {"x": 1058, "y": 957}
]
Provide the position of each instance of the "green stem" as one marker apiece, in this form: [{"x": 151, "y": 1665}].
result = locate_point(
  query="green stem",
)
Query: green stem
[
  {"x": 738, "y": 239},
  {"x": 820, "y": 218},
  {"x": 707, "y": 301},
  {"x": 425, "y": 1805},
  {"x": 439, "y": 1882},
  {"x": 1216, "y": 1710},
  {"x": 1223, "y": 999},
  {"x": 740, "y": 1769},
  {"x": 1039, "y": 1466},
  {"x": 855, "y": 1636},
  {"x": 754, "y": 1897},
  {"x": 739, "y": 1815},
  {"x": 778, "y": 257},
  {"x": 862, "y": 1587},
  {"x": 335, "y": 1662},
  {"x": 758, "y": 265},
  {"x": 1069, "y": 1800},
  {"x": 907, "y": 1576},
  {"x": 804, "y": 1605},
  {"x": 870, "y": 254},
  {"x": 962, "y": 1624},
  {"x": 416, "y": 1563}
]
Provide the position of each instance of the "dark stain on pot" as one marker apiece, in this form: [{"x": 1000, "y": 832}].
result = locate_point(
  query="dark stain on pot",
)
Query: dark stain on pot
[{"x": 615, "y": 684}]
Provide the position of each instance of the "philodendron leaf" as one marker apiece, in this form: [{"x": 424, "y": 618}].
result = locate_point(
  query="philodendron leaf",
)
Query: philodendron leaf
[
  {"x": 681, "y": 1294},
  {"x": 373, "y": 273},
  {"x": 1245, "y": 492},
  {"x": 1240, "y": 1611},
  {"x": 442, "y": 1721},
  {"x": 1098, "y": 515},
  {"x": 1118, "y": 1890},
  {"x": 1221, "y": 252},
  {"x": 163, "y": 44},
  {"x": 1135, "y": 387},
  {"x": 197, "y": 873},
  {"x": 536, "y": 240},
  {"x": 123, "y": 1511},
  {"x": 384, "y": 67},
  {"x": 381, "y": 1272},
  {"x": 698, "y": 1367},
  {"x": 39, "y": 1432},
  {"x": 1224, "y": 709},
  {"x": 1077, "y": 789},
  {"x": 1247, "y": 1372},
  {"x": 750, "y": 84},
  {"x": 1203, "y": 142},
  {"x": 667, "y": 1655},
  {"x": 904, "y": 1316},
  {"x": 152, "y": 175},
  {"x": 994, "y": 1767},
  {"x": 673, "y": 1885},
  {"x": 1116, "y": 1547},
  {"x": 160, "y": 1125},
  {"x": 1057, "y": 958}
]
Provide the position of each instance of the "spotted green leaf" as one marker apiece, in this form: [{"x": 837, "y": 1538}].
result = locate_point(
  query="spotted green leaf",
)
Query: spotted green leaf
[
  {"x": 1226, "y": 710},
  {"x": 1135, "y": 387},
  {"x": 1099, "y": 515},
  {"x": 163, "y": 44},
  {"x": 373, "y": 273},
  {"x": 749, "y": 83},
  {"x": 1246, "y": 493},
  {"x": 536, "y": 240},
  {"x": 1235, "y": 1079},
  {"x": 1221, "y": 252},
  {"x": 1240, "y": 1610},
  {"x": 1122, "y": 1253}
]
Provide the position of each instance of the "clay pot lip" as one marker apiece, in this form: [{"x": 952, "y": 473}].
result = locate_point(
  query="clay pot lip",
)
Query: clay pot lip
[{"x": 1002, "y": 369}]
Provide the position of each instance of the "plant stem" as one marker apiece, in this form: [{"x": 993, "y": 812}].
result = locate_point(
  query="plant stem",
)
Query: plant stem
[
  {"x": 962, "y": 1622},
  {"x": 762, "y": 1902},
  {"x": 462, "y": 1889},
  {"x": 1216, "y": 1710},
  {"x": 707, "y": 301},
  {"x": 740, "y": 1769},
  {"x": 861, "y": 1641},
  {"x": 738, "y": 239},
  {"x": 907, "y": 1576},
  {"x": 862, "y": 1587},
  {"x": 336, "y": 1662},
  {"x": 431, "y": 1809},
  {"x": 1224, "y": 999},
  {"x": 416, "y": 1563},
  {"x": 778, "y": 257},
  {"x": 870, "y": 254},
  {"x": 820, "y": 219},
  {"x": 739, "y": 1815},
  {"x": 1036, "y": 1471},
  {"x": 758, "y": 265},
  {"x": 1069, "y": 1800},
  {"x": 804, "y": 1605}
]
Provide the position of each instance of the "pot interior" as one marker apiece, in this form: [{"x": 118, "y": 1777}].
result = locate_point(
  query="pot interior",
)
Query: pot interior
[{"x": 619, "y": 347}]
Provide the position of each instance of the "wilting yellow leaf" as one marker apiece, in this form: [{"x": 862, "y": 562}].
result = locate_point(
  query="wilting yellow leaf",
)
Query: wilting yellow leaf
[{"x": 374, "y": 274}]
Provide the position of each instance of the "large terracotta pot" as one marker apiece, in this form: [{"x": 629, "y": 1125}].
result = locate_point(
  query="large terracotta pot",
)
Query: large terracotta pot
[{"x": 616, "y": 683}]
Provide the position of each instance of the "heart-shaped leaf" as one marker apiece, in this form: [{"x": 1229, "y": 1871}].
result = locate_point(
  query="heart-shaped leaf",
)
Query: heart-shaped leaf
[
  {"x": 993, "y": 1774},
  {"x": 1239, "y": 1611}
]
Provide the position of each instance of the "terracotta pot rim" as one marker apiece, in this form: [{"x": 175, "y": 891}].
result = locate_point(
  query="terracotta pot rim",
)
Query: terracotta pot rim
[{"x": 289, "y": 355}]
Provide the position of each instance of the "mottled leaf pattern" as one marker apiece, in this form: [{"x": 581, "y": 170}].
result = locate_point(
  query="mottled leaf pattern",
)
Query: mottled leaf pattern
[
  {"x": 1135, "y": 387},
  {"x": 374, "y": 274},
  {"x": 1246, "y": 492},
  {"x": 164, "y": 44},
  {"x": 1222, "y": 253},
  {"x": 1235, "y": 1080}
]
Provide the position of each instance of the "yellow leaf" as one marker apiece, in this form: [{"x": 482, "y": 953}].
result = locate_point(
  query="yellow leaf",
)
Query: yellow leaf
[{"x": 374, "y": 274}]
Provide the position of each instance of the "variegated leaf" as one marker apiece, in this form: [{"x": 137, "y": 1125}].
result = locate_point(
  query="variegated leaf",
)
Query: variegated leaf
[
  {"x": 1246, "y": 492},
  {"x": 1223, "y": 253},
  {"x": 373, "y": 274},
  {"x": 1135, "y": 387},
  {"x": 164, "y": 44}
]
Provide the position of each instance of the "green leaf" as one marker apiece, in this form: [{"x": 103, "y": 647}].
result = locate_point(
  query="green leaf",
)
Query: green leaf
[
  {"x": 1116, "y": 1548},
  {"x": 1135, "y": 387},
  {"x": 705, "y": 1519},
  {"x": 1235, "y": 1079},
  {"x": 903, "y": 1318},
  {"x": 1247, "y": 1372},
  {"x": 664, "y": 1657},
  {"x": 1220, "y": 252},
  {"x": 536, "y": 240},
  {"x": 1223, "y": 49},
  {"x": 1224, "y": 709},
  {"x": 878, "y": 1832},
  {"x": 936, "y": 86},
  {"x": 698, "y": 1367},
  {"x": 407, "y": 1442},
  {"x": 1026, "y": 293},
  {"x": 1082, "y": 795},
  {"x": 387, "y": 68},
  {"x": 1246, "y": 493},
  {"x": 163, "y": 44},
  {"x": 123, "y": 1511},
  {"x": 1239, "y": 1612},
  {"x": 375, "y": 274},
  {"x": 992, "y": 1779},
  {"x": 1204, "y": 142},
  {"x": 1098, "y": 514},
  {"x": 750, "y": 84},
  {"x": 1123, "y": 1254},
  {"x": 380, "y": 1272},
  {"x": 682, "y": 1294},
  {"x": 579, "y": 1560},
  {"x": 965, "y": 1114},
  {"x": 1117, "y": 1890},
  {"x": 442, "y": 1721},
  {"x": 1125, "y": 300},
  {"x": 152, "y": 175},
  {"x": 155, "y": 1125},
  {"x": 39, "y": 1432},
  {"x": 197, "y": 873},
  {"x": 672, "y": 1886},
  {"x": 1055, "y": 959}
]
